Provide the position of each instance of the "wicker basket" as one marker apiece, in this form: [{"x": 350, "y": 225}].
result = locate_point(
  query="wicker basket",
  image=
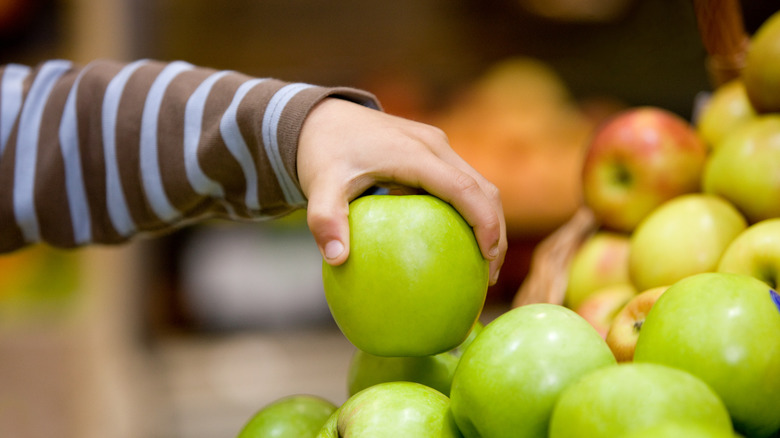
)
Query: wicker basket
[{"x": 726, "y": 42}]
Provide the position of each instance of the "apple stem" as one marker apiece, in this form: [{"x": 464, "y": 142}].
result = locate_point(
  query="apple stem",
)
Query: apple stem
[{"x": 638, "y": 325}]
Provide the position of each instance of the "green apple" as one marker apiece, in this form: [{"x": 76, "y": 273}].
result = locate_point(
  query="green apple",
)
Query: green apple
[
  {"x": 627, "y": 324},
  {"x": 298, "y": 416},
  {"x": 636, "y": 161},
  {"x": 762, "y": 66},
  {"x": 755, "y": 252},
  {"x": 391, "y": 410},
  {"x": 724, "y": 329},
  {"x": 727, "y": 108},
  {"x": 629, "y": 397},
  {"x": 435, "y": 371},
  {"x": 684, "y": 236},
  {"x": 510, "y": 377},
  {"x": 686, "y": 429},
  {"x": 415, "y": 281},
  {"x": 601, "y": 307},
  {"x": 601, "y": 260},
  {"x": 745, "y": 168}
]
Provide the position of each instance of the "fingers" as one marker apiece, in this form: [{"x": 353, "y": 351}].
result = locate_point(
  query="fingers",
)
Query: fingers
[
  {"x": 327, "y": 217},
  {"x": 478, "y": 202}
]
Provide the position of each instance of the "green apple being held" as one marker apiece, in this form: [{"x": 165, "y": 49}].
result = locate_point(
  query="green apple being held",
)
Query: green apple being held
[
  {"x": 435, "y": 371},
  {"x": 755, "y": 252},
  {"x": 762, "y": 66},
  {"x": 722, "y": 328},
  {"x": 686, "y": 235},
  {"x": 636, "y": 161},
  {"x": 298, "y": 416},
  {"x": 391, "y": 410},
  {"x": 415, "y": 281},
  {"x": 510, "y": 377},
  {"x": 601, "y": 261},
  {"x": 745, "y": 168},
  {"x": 627, "y": 398}
]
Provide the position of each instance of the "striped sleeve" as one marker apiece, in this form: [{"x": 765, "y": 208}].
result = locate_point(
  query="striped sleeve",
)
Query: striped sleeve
[{"x": 101, "y": 153}]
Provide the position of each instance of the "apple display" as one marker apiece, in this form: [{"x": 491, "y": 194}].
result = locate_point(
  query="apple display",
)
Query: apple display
[
  {"x": 391, "y": 410},
  {"x": 686, "y": 235},
  {"x": 300, "y": 415},
  {"x": 415, "y": 281},
  {"x": 627, "y": 398},
  {"x": 627, "y": 324},
  {"x": 435, "y": 371},
  {"x": 510, "y": 377},
  {"x": 762, "y": 66},
  {"x": 744, "y": 169},
  {"x": 722, "y": 328},
  {"x": 636, "y": 161},
  {"x": 603, "y": 305},
  {"x": 755, "y": 252},
  {"x": 727, "y": 108},
  {"x": 601, "y": 260}
]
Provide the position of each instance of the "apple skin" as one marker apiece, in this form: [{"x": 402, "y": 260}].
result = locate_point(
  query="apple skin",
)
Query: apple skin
[
  {"x": 744, "y": 169},
  {"x": 627, "y": 324},
  {"x": 393, "y": 409},
  {"x": 509, "y": 378},
  {"x": 603, "y": 305},
  {"x": 755, "y": 252},
  {"x": 727, "y": 108},
  {"x": 415, "y": 280},
  {"x": 299, "y": 415},
  {"x": 626, "y": 398},
  {"x": 724, "y": 329},
  {"x": 762, "y": 66},
  {"x": 601, "y": 260},
  {"x": 436, "y": 371},
  {"x": 686, "y": 235},
  {"x": 636, "y": 161},
  {"x": 679, "y": 429}
]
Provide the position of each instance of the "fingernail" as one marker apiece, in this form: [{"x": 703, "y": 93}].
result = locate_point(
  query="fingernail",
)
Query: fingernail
[
  {"x": 493, "y": 253},
  {"x": 333, "y": 249},
  {"x": 494, "y": 277}
]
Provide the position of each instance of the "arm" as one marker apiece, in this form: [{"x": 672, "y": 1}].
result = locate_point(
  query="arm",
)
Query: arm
[{"x": 101, "y": 153}]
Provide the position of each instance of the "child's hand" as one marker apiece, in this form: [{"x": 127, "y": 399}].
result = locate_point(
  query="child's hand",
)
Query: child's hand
[{"x": 346, "y": 148}]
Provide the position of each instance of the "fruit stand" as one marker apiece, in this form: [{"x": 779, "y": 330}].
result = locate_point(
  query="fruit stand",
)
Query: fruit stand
[{"x": 638, "y": 298}]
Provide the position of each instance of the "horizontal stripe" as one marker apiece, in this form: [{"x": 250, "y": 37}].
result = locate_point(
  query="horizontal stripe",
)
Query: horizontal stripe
[
  {"x": 74, "y": 179},
  {"x": 27, "y": 147},
  {"x": 271, "y": 118},
  {"x": 150, "y": 166},
  {"x": 115, "y": 198},
  {"x": 231, "y": 135},
  {"x": 12, "y": 92},
  {"x": 193, "y": 125}
]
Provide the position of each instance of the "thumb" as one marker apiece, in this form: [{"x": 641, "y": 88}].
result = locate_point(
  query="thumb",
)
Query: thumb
[{"x": 327, "y": 217}]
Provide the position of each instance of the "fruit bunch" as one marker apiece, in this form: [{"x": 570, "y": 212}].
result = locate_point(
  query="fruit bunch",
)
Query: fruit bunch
[{"x": 671, "y": 324}]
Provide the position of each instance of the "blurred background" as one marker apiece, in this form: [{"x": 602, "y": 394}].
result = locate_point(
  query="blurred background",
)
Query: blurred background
[{"x": 187, "y": 335}]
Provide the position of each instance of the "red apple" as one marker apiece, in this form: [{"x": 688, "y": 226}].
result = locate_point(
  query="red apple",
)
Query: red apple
[
  {"x": 624, "y": 331},
  {"x": 601, "y": 307},
  {"x": 601, "y": 261},
  {"x": 636, "y": 161}
]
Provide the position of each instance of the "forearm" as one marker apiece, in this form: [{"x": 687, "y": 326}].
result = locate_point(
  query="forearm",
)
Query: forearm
[{"x": 102, "y": 153}]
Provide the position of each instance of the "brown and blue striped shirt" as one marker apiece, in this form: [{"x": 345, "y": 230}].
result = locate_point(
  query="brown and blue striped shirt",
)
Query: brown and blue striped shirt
[{"x": 103, "y": 152}]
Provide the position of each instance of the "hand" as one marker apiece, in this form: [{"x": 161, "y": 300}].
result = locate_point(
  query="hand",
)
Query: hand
[{"x": 346, "y": 148}]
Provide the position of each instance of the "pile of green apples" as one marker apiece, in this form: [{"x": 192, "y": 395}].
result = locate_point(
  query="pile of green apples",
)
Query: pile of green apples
[{"x": 670, "y": 325}]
